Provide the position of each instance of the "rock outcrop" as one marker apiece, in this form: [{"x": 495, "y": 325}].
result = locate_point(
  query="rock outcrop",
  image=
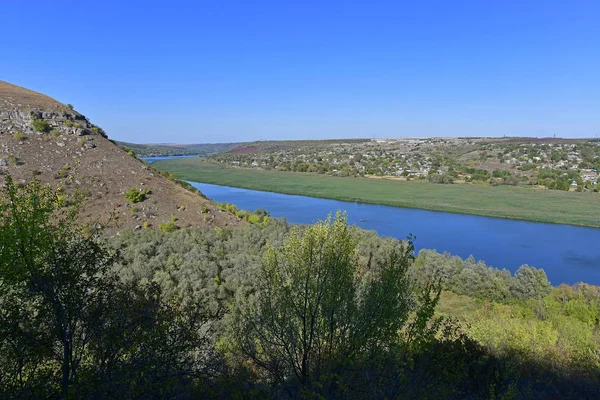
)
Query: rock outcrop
[{"x": 43, "y": 138}]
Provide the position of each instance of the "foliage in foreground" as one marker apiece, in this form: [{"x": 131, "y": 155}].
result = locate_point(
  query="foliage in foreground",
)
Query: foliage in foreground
[
  {"x": 273, "y": 311},
  {"x": 536, "y": 342},
  {"x": 69, "y": 327},
  {"x": 316, "y": 309}
]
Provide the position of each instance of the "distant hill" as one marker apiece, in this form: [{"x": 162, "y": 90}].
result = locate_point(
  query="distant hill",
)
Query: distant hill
[
  {"x": 153, "y": 150},
  {"x": 41, "y": 137},
  {"x": 265, "y": 146},
  {"x": 209, "y": 149},
  {"x": 202, "y": 149}
]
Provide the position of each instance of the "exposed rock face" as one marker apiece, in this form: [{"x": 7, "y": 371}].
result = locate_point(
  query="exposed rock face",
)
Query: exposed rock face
[
  {"x": 22, "y": 120},
  {"x": 67, "y": 150},
  {"x": 19, "y": 108}
]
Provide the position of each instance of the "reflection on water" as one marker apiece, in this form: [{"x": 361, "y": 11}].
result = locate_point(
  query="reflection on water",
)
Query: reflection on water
[{"x": 584, "y": 260}]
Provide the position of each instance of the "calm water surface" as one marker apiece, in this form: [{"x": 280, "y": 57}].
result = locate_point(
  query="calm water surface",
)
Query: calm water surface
[
  {"x": 150, "y": 160},
  {"x": 567, "y": 253}
]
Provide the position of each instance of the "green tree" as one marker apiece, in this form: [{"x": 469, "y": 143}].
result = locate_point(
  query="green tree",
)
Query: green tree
[
  {"x": 317, "y": 308},
  {"x": 530, "y": 283},
  {"x": 59, "y": 275},
  {"x": 68, "y": 326}
]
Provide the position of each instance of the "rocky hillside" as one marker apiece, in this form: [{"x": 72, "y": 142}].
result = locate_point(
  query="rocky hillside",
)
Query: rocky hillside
[{"x": 41, "y": 137}]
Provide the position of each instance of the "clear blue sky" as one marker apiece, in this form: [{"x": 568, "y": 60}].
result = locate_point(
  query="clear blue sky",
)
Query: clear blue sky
[{"x": 221, "y": 71}]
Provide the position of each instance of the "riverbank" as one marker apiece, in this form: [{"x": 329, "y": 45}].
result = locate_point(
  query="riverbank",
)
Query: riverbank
[{"x": 521, "y": 203}]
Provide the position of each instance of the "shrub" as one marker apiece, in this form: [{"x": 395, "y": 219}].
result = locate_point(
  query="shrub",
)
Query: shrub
[
  {"x": 55, "y": 132},
  {"x": 510, "y": 180},
  {"x": 70, "y": 106},
  {"x": 496, "y": 181},
  {"x": 95, "y": 129},
  {"x": 253, "y": 219},
  {"x": 440, "y": 178},
  {"x": 69, "y": 123},
  {"x": 135, "y": 196},
  {"x": 18, "y": 136},
  {"x": 530, "y": 283},
  {"x": 39, "y": 125},
  {"x": 168, "y": 227},
  {"x": 12, "y": 160}
]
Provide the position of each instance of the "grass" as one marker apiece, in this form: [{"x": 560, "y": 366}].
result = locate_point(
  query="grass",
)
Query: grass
[
  {"x": 524, "y": 203},
  {"x": 458, "y": 306}
]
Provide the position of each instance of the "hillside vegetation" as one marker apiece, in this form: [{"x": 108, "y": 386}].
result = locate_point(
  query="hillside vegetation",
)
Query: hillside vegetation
[
  {"x": 272, "y": 310},
  {"x": 43, "y": 138},
  {"x": 525, "y": 203}
]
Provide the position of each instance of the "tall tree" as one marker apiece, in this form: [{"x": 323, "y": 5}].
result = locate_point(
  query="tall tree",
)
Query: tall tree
[
  {"x": 59, "y": 276},
  {"x": 68, "y": 326},
  {"x": 318, "y": 309}
]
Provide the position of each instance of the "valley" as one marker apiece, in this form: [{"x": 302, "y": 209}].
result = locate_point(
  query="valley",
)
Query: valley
[{"x": 504, "y": 201}]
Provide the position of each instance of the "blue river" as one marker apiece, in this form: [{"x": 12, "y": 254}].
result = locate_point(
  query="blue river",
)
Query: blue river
[
  {"x": 150, "y": 160},
  {"x": 567, "y": 253}
]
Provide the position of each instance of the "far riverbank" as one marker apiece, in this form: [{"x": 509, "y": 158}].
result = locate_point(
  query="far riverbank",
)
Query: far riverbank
[{"x": 521, "y": 203}]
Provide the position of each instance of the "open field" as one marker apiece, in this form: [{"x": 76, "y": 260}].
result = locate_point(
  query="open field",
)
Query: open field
[{"x": 524, "y": 203}]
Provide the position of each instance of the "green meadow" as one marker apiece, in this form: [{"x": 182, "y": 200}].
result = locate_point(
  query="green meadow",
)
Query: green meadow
[{"x": 524, "y": 203}]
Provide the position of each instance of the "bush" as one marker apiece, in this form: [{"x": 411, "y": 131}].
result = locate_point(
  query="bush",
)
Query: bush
[
  {"x": 168, "y": 227},
  {"x": 440, "y": 178},
  {"x": 39, "y": 125},
  {"x": 69, "y": 123},
  {"x": 510, "y": 180},
  {"x": 18, "y": 136},
  {"x": 55, "y": 132},
  {"x": 530, "y": 283},
  {"x": 253, "y": 219},
  {"x": 70, "y": 106},
  {"x": 135, "y": 196}
]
